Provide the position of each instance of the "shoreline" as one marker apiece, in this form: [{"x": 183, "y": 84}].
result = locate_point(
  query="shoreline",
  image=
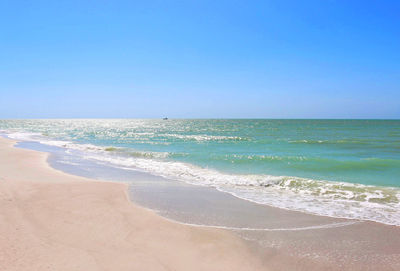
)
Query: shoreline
[
  {"x": 312, "y": 196},
  {"x": 342, "y": 248},
  {"x": 167, "y": 197},
  {"x": 62, "y": 222}
]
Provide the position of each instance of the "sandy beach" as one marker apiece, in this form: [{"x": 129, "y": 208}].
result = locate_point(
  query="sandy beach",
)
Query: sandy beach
[
  {"x": 200, "y": 135},
  {"x": 53, "y": 221}
]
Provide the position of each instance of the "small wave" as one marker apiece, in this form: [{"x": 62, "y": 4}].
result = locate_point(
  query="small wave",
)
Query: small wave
[
  {"x": 239, "y": 158},
  {"x": 313, "y": 164},
  {"x": 204, "y": 137},
  {"x": 147, "y": 154},
  {"x": 24, "y": 136},
  {"x": 349, "y": 142},
  {"x": 335, "y": 199},
  {"x": 341, "y": 141},
  {"x": 86, "y": 147}
]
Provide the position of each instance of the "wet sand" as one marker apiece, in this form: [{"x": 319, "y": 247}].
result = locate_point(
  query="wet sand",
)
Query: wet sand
[{"x": 287, "y": 240}]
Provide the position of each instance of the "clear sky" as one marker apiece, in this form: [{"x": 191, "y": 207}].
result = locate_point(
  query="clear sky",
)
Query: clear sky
[{"x": 200, "y": 59}]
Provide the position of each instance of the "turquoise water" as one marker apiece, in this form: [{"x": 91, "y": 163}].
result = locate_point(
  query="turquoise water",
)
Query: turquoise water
[{"x": 342, "y": 168}]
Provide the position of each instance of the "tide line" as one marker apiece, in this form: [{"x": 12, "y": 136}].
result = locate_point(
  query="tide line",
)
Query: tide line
[{"x": 324, "y": 226}]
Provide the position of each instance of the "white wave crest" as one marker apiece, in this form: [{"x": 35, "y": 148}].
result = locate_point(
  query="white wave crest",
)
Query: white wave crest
[{"x": 335, "y": 199}]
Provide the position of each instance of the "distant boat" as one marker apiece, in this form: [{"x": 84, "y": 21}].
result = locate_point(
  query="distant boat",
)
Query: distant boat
[{"x": 165, "y": 118}]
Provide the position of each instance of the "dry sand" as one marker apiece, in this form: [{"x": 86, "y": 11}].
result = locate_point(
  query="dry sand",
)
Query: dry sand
[{"x": 50, "y": 220}]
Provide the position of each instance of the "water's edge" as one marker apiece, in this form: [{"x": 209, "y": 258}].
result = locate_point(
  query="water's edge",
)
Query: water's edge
[{"x": 190, "y": 204}]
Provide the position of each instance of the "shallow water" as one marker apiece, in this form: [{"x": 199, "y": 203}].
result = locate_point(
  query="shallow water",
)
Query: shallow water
[{"x": 338, "y": 168}]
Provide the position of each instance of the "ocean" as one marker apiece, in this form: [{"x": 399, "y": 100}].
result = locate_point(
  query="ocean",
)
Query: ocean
[{"x": 337, "y": 168}]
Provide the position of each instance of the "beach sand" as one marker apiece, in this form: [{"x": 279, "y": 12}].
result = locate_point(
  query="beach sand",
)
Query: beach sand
[{"x": 50, "y": 220}]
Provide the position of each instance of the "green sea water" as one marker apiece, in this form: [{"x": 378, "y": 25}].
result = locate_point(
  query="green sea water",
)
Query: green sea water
[{"x": 315, "y": 166}]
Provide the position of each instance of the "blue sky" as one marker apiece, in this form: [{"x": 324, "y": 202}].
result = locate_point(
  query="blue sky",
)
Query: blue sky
[{"x": 200, "y": 59}]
